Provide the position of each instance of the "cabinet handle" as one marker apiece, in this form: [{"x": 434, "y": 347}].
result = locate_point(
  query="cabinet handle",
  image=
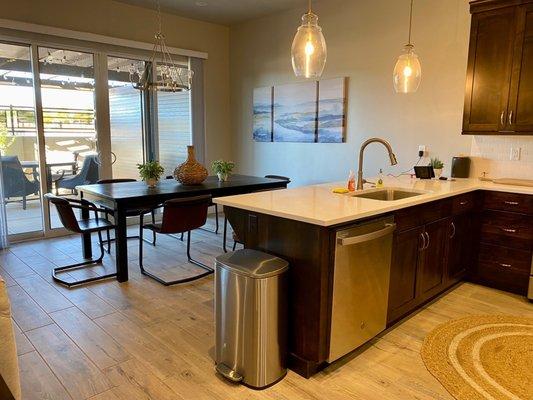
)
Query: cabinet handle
[
  {"x": 509, "y": 230},
  {"x": 511, "y": 203},
  {"x": 505, "y": 265},
  {"x": 453, "y": 232},
  {"x": 421, "y": 248},
  {"x": 510, "y": 117},
  {"x": 427, "y": 245},
  {"x": 464, "y": 202},
  {"x": 502, "y": 118}
]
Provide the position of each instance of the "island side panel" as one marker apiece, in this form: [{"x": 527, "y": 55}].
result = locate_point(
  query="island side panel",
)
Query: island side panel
[{"x": 308, "y": 249}]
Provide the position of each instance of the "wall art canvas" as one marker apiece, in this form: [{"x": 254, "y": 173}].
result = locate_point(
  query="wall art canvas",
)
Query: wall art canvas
[
  {"x": 331, "y": 110},
  {"x": 306, "y": 112},
  {"x": 295, "y": 112},
  {"x": 262, "y": 114}
]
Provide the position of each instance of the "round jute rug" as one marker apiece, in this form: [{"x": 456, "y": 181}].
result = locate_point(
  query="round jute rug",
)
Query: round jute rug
[{"x": 483, "y": 357}]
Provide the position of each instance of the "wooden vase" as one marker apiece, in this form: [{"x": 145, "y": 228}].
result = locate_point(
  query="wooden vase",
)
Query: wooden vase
[{"x": 191, "y": 172}]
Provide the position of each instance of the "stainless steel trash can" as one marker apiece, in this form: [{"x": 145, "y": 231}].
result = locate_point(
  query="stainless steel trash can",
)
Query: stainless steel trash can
[{"x": 251, "y": 317}]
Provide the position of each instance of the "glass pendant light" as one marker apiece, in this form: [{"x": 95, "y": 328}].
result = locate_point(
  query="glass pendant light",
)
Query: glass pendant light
[
  {"x": 407, "y": 71},
  {"x": 308, "y": 50}
]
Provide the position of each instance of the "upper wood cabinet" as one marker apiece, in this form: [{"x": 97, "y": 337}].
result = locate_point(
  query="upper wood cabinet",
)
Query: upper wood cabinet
[{"x": 499, "y": 82}]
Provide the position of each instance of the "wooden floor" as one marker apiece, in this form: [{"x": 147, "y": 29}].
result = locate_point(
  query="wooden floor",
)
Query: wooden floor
[{"x": 68, "y": 340}]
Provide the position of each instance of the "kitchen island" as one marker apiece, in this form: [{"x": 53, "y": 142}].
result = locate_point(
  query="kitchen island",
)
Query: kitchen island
[{"x": 447, "y": 232}]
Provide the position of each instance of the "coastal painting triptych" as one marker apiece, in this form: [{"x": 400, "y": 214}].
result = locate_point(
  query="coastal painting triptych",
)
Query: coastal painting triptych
[{"x": 308, "y": 112}]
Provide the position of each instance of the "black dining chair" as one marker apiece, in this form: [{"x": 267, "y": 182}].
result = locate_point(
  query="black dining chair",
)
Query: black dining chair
[
  {"x": 15, "y": 182},
  {"x": 236, "y": 239},
  {"x": 65, "y": 209},
  {"x": 179, "y": 216},
  {"x": 88, "y": 175},
  {"x": 130, "y": 213}
]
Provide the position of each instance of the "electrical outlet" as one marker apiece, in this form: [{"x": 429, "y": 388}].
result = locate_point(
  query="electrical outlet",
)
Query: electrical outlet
[
  {"x": 421, "y": 150},
  {"x": 515, "y": 154}
]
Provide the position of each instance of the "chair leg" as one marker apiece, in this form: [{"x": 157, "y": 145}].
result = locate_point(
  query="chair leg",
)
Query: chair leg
[
  {"x": 234, "y": 245},
  {"x": 224, "y": 235},
  {"x": 67, "y": 268},
  {"x": 24, "y": 202},
  {"x": 208, "y": 270}
]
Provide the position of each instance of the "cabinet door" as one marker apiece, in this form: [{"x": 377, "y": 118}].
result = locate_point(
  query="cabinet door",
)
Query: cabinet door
[
  {"x": 405, "y": 252},
  {"x": 489, "y": 71},
  {"x": 431, "y": 264},
  {"x": 459, "y": 247},
  {"x": 520, "y": 114}
]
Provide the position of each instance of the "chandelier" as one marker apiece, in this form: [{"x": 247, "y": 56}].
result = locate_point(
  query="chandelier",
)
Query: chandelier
[{"x": 167, "y": 76}]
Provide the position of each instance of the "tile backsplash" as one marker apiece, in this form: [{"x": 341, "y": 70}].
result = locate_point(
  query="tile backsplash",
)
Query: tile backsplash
[{"x": 491, "y": 154}]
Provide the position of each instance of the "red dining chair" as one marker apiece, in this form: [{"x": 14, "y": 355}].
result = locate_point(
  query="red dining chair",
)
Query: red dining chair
[{"x": 179, "y": 216}]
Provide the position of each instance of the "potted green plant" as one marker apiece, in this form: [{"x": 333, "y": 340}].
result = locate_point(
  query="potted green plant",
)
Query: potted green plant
[
  {"x": 150, "y": 172},
  {"x": 437, "y": 166},
  {"x": 223, "y": 169}
]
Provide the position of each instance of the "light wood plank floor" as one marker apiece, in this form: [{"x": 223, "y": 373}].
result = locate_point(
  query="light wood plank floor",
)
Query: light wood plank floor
[{"x": 141, "y": 340}]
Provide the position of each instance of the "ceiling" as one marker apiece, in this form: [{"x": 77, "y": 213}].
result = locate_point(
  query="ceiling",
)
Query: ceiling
[{"x": 224, "y": 12}]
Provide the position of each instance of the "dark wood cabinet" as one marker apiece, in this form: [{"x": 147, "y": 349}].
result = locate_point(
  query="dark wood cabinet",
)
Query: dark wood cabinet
[
  {"x": 460, "y": 247},
  {"x": 430, "y": 273},
  {"x": 499, "y": 82},
  {"x": 418, "y": 265},
  {"x": 505, "y": 239},
  {"x": 406, "y": 248}
]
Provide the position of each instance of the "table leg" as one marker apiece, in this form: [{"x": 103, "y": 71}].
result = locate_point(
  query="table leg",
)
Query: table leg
[
  {"x": 86, "y": 243},
  {"x": 121, "y": 243}
]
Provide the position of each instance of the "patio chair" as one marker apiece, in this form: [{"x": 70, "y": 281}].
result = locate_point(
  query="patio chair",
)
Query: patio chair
[
  {"x": 65, "y": 208},
  {"x": 88, "y": 175},
  {"x": 131, "y": 213},
  {"x": 15, "y": 181},
  {"x": 179, "y": 215}
]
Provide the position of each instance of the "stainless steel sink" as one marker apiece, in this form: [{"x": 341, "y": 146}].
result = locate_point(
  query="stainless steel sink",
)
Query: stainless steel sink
[{"x": 388, "y": 194}]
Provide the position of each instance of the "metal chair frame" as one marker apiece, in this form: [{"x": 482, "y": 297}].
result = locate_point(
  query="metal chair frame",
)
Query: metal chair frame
[
  {"x": 83, "y": 205},
  {"x": 208, "y": 270}
]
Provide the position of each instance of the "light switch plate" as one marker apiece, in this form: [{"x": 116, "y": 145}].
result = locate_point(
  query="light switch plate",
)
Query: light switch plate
[{"x": 514, "y": 154}]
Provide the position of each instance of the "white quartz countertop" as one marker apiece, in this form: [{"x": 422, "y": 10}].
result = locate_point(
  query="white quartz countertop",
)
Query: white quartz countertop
[{"x": 318, "y": 205}]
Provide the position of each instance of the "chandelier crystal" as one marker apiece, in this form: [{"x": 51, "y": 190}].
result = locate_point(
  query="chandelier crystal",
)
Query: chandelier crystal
[
  {"x": 309, "y": 52},
  {"x": 167, "y": 76},
  {"x": 407, "y": 71}
]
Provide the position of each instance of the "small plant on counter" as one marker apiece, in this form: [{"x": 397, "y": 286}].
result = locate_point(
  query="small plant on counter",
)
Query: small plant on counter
[
  {"x": 437, "y": 166},
  {"x": 222, "y": 169},
  {"x": 150, "y": 172}
]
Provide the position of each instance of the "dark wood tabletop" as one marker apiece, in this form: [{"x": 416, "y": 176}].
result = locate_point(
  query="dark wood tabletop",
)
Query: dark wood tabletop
[
  {"x": 127, "y": 191},
  {"x": 125, "y": 196}
]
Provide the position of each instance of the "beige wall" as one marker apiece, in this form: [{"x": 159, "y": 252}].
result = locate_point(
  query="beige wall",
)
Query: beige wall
[
  {"x": 364, "y": 38},
  {"x": 119, "y": 20}
]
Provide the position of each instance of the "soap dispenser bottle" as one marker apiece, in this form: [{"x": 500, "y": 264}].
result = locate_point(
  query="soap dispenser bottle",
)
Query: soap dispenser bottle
[{"x": 379, "y": 183}]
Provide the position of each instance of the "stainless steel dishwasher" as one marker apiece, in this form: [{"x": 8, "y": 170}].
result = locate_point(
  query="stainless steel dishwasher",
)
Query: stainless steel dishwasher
[{"x": 360, "y": 284}]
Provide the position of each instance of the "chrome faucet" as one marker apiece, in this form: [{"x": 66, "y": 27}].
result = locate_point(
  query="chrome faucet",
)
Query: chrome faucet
[{"x": 392, "y": 158}]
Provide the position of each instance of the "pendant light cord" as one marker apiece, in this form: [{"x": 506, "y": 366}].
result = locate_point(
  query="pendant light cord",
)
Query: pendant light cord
[
  {"x": 410, "y": 22},
  {"x": 309, "y": 8},
  {"x": 159, "y": 23}
]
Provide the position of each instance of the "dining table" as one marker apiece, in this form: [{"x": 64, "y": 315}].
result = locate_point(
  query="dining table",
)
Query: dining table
[{"x": 119, "y": 198}]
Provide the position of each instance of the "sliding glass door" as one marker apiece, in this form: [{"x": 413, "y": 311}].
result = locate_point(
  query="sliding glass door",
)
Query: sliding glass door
[
  {"x": 70, "y": 116},
  {"x": 18, "y": 142},
  {"x": 68, "y": 105}
]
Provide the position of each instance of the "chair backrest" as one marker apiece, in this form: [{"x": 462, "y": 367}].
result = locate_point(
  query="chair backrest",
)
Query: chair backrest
[
  {"x": 65, "y": 211},
  {"x": 182, "y": 215},
  {"x": 12, "y": 176},
  {"x": 116, "y": 180},
  {"x": 283, "y": 178},
  {"x": 89, "y": 170}
]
